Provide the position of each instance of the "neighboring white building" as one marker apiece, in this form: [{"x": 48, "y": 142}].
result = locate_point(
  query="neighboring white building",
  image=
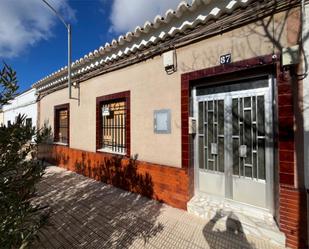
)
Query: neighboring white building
[
  {"x": 24, "y": 103},
  {"x": 1, "y": 117}
]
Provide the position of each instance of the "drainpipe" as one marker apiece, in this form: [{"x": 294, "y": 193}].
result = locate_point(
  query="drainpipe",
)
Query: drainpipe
[{"x": 304, "y": 30}]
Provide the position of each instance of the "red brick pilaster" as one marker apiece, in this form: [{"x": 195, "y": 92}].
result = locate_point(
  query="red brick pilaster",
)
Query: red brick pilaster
[
  {"x": 185, "y": 139},
  {"x": 286, "y": 137},
  {"x": 292, "y": 200},
  {"x": 293, "y": 216}
]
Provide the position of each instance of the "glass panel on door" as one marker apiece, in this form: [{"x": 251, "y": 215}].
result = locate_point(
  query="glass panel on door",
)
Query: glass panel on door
[
  {"x": 211, "y": 135},
  {"x": 249, "y": 140},
  {"x": 248, "y": 117},
  {"x": 211, "y": 143},
  {"x": 232, "y": 145}
]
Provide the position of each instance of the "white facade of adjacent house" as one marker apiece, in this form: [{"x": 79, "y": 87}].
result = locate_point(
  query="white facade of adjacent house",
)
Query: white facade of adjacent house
[
  {"x": 1, "y": 118},
  {"x": 24, "y": 104}
]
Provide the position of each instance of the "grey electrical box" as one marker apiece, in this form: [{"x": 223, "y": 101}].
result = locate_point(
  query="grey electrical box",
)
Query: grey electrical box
[
  {"x": 192, "y": 125},
  {"x": 290, "y": 55},
  {"x": 162, "y": 121}
]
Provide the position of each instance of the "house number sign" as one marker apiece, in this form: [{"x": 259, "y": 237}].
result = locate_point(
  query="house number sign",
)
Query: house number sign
[{"x": 225, "y": 59}]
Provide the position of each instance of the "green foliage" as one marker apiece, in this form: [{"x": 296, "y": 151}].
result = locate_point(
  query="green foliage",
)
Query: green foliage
[
  {"x": 8, "y": 84},
  {"x": 20, "y": 170}
]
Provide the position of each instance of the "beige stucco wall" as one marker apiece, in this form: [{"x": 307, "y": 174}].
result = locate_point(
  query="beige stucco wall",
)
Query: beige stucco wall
[{"x": 152, "y": 89}]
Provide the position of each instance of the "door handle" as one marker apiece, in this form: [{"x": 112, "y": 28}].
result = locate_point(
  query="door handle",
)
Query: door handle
[
  {"x": 214, "y": 148},
  {"x": 243, "y": 150}
]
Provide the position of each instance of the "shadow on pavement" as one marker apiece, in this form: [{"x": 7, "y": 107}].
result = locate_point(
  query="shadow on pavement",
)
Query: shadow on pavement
[
  {"x": 233, "y": 230},
  {"x": 89, "y": 214}
]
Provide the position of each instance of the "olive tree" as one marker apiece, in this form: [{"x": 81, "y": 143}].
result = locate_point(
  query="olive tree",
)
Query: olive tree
[{"x": 20, "y": 171}]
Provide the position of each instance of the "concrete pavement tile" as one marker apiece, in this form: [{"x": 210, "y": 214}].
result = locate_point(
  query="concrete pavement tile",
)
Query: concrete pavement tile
[{"x": 91, "y": 214}]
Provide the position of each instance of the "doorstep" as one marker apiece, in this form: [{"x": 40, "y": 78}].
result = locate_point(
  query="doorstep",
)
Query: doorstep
[{"x": 250, "y": 220}]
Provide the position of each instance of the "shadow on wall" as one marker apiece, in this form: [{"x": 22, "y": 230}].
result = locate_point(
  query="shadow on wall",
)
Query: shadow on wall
[
  {"x": 216, "y": 236},
  {"x": 112, "y": 171},
  {"x": 86, "y": 213}
]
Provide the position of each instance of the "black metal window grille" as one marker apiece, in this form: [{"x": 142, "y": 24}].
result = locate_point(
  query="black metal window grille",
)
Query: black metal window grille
[{"x": 114, "y": 126}]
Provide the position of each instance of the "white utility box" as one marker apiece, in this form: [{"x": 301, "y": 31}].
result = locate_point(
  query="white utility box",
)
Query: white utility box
[{"x": 169, "y": 60}]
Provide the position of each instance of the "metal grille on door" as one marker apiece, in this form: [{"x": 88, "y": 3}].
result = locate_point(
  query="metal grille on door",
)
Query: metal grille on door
[
  {"x": 248, "y": 114},
  {"x": 211, "y": 135}
]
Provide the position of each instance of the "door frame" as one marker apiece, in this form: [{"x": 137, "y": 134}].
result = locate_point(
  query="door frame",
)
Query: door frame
[{"x": 269, "y": 132}]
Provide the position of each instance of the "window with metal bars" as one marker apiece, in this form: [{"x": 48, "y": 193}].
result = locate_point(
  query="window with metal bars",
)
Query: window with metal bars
[
  {"x": 114, "y": 126},
  {"x": 61, "y": 125}
]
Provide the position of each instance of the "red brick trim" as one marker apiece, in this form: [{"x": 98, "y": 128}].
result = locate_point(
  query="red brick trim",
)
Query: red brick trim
[
  {"x": 294, "y": 227},
  {"x": 286, "y": 136},
  {"x": 160, "y": 182},
  {"x": 111, "y": 97},
  {"x": 56, "y": 128},
  {"x": 235, "y": 70},
  {"x": 240, "y": 68}
]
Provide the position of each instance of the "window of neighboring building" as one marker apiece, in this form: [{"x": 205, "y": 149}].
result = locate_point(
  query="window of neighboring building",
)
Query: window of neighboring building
[
  {"x": 29, "y": 122},
  {"x": 61, "y": 124},
  {"x": 113, "y": 123}
]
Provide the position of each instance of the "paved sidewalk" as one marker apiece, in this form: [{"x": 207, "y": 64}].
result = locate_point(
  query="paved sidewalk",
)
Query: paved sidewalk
[{"x": 90, "y": 214}]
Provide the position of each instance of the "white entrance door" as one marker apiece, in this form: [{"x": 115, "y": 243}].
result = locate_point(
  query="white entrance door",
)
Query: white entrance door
[{"x": 233, "y": 143}]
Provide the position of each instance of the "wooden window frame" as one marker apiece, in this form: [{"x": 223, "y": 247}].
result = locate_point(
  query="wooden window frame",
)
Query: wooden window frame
[
  {"x": 58, "y": 108},
  {"x": 109, "y": 98}
]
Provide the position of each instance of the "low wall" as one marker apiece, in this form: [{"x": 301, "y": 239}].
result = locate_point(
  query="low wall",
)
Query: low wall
[{"x": 163, "y": 183}]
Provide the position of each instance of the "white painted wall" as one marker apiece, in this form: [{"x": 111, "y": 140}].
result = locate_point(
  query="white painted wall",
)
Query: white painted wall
[
  {"x": 1, "y": 118},
  {"x": 24, "y": 103}
]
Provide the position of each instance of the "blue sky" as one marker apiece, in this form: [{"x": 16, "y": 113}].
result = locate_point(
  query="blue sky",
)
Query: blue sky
[{"x": 34, "y": 42}]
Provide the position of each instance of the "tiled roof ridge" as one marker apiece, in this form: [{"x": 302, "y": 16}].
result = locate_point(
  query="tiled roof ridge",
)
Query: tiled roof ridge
[{"x": 105, "y": 54}]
